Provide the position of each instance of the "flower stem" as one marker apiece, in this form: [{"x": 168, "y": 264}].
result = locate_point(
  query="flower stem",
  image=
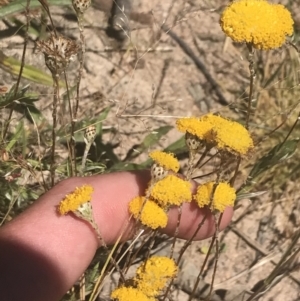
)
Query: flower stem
[
  {"x": 252, "y": 77},
  {"x": 54, "y": 125}
]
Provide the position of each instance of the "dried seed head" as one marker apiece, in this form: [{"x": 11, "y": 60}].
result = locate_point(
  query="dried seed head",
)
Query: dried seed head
[
  {"x": 81, "y": 6},
  {"x": 3, "y": 89},
  {"x": 158, "y": 172},
  {"x": 192, "y": 142},
  {"x": 85, "y": 211},
  {"x": 59, "y": 51},
  {"x": 4, "y": 155},
  {"x": 90, "y": 134}
]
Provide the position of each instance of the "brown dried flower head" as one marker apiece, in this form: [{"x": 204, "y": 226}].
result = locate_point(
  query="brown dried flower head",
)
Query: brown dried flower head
[
  {"x": 90, "y": 134},
  {"x": 59, "y": 51},
  {"x": 81, "y": 6},
  {"x": 192, "y": 142},
  {"x": 158, "y": 172}
]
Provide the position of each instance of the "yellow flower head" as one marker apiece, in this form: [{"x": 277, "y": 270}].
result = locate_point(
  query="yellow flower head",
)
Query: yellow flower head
[
  {"x": 153, "y": 275},
  {"x": 200, "y": 127},
  {"x": 151, "y": 215},
  {"x": 166, "y": 160},
  {"x": 263, "y": 24},
  {"x": 224, "y": 196},
  {"x": 233, "y": 137},
  {"x": 129, "y": 294},
  {"x": 171, "y": 191},
  {"x": 74, "y": 200},
  {"x": 218, "y": 131}
]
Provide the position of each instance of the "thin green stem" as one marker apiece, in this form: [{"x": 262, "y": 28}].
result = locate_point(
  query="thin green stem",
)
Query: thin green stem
[
  {"x": 71, "y": 143},
  {"x": 252, "y": 77},
  {"x": 216, "y": 237},
  {"x": 81, "y": 62},
  {"x": 54, "y": 125},
  {"x": 182, "y": 251},
  {"x": 202, "y": 268},
  {"x": 85, "y": 154}
]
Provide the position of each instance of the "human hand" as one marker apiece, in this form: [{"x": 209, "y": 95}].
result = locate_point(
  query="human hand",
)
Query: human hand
[{"x": 42, "y": 254}]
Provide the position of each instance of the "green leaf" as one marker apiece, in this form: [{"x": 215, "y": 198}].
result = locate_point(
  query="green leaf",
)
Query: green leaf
[
  {"x": 32, "y": 113},
  {"x": 274, "y": 75},
  {"x": 37, "y": 165},
  {"x": 91, "y": 278},
  {"x": 18, "y": 6},
  {"x": 177, "y": 147},
  {"x": 95, "y": 168},
  {"x": 16, "y": 137},
  {"x": 98, "y": 122},
  {"x": 20, "y": 97},
  {"x": 278, "y": 154},
  {"x": 21, "y": 102},
  {"x": 12, "y": 66},
  {"x": 100, "y": 119},
  {"x": 249, "y": 195},
  {"x": 123, "y": 166},
  {"x": 20, "y": 27},
  {"x": 153, "y": 138},
  {"x": 149, "y": 141}
]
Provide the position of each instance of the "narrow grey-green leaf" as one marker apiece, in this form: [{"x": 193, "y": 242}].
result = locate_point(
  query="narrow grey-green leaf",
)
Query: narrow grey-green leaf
[
  {"x": 123, "y": 166},
  {"x": 149, "y": 141},
  {"x": 19, "y": 132},
  {"x": 177, "y": 147},
  {"x": 276, "y": 155},
  {"x": 18, "y": 6}
]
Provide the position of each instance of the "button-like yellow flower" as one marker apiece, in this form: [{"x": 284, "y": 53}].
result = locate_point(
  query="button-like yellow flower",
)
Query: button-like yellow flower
[
  {"x": 258, "y": 22},
  {"x": 153, "y": 275},
  {"x": 233, "y": 137},
  {"x": 224, "y": 196},
  {"x": 166, "y": 160},
  {"x": 129, "y": 294},
  {"x": 73, "y": 201},
  {"x": 151, "y": 215},
  {"x": 199, "y": 127},
  {"x": 219, "y": 132},
  {"x": 171, "y": 191}
]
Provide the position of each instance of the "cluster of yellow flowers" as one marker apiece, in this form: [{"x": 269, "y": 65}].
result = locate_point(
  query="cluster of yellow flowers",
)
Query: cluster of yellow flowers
[
  {"x": 262, "y": 24},
  {"x": 216, "y": 131},
  {"x": 167, "y": 188},
  {"x": 164, "y": 191},
  {"x": 148, "y": 212},
  {"x": 151, "y": 278},
  {"x": 217, "y": 196}
]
